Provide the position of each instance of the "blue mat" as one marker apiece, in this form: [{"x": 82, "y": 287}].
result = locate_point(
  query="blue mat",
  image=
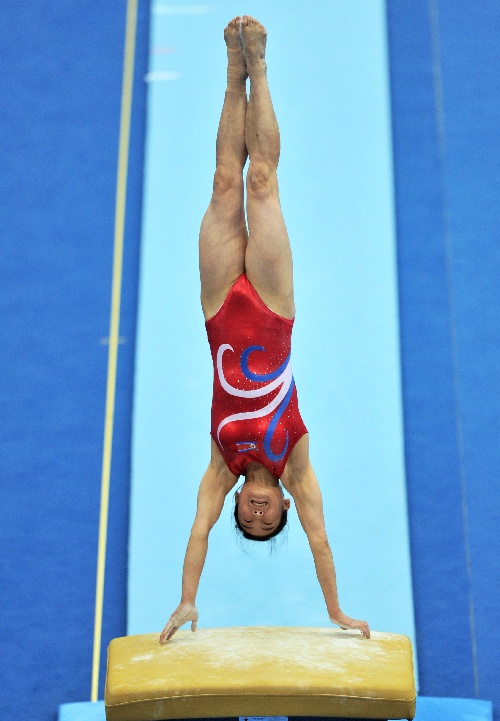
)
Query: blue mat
[
  {"x": 445, "y": 64},
  {"x": 453, "y": 709},
  {"x": 428, "y": 709},
  {"x": 82, "y": 711},
  {"x": 61, "y": 79}
]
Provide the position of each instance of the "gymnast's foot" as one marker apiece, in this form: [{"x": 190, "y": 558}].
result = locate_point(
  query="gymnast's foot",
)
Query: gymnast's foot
[
  {"x": 236, "y": 65},
  {"x": 254, "y": 37}
]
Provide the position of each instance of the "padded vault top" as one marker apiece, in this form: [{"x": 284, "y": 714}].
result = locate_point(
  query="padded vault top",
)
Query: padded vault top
[{"x": 260, "y": 671}]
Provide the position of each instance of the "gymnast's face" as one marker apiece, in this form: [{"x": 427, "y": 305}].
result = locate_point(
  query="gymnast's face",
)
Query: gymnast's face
[{"x": 260, "y": 508}]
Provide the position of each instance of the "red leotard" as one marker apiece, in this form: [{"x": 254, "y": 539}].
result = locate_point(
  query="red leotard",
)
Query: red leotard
[{"x": 255, "y": 412}]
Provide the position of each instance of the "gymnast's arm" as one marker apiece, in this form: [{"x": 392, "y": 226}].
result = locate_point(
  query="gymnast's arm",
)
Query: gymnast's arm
[
  {"x": 301, "y": 482},
  {"x": 215, "y": 485}
]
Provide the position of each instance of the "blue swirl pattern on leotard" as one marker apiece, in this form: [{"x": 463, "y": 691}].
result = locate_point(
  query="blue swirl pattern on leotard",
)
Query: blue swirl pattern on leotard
[
  {"x": 272, "y": 427},
  {"x": 281, "y": 408},
  {"x": 255, "y": 376},
  {"x": 281, "y": 379}
]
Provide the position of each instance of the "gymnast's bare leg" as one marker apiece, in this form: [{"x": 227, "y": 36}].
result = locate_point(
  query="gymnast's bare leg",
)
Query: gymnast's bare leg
[
  {"x": 268, "y": 258},
  {"x": 226, "y": 248},
  {"x": 223, "y": 234}
]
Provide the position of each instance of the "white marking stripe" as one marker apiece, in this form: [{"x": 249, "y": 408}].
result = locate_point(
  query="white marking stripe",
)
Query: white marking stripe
[{"x": 287, "y": 381}]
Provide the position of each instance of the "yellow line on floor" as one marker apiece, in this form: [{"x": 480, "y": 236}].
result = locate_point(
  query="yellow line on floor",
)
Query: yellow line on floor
[{"x": 121, "y": 194}]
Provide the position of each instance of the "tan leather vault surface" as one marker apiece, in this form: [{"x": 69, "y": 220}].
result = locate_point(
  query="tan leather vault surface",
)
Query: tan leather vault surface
[{"x": 260, "y": 671}]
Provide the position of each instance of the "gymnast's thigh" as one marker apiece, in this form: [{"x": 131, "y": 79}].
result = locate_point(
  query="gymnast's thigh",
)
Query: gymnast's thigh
[
  {"x": 222, "y": 246},
  {"x": 268, "y": 260}
]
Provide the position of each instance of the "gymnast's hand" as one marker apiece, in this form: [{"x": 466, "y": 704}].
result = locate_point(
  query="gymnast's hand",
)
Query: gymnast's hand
[
  {"x": 345, "y": 622},
  {"x": 183, "y": 613}
]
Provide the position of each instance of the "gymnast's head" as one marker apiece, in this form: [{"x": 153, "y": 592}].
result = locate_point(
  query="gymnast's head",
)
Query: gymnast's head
[{"x": 260, "y": 510}]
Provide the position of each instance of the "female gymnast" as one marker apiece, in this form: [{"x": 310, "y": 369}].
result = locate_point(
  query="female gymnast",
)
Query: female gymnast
[{"x": 247, "y": 301}]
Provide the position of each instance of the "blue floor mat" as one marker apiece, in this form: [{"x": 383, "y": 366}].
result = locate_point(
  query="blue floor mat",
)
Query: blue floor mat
[{"x": 428, "y": 709}]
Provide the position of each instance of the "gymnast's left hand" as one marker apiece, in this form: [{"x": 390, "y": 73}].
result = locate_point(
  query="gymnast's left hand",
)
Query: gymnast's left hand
[
  {"x": 340, "y": 619},
  {"x": 183, "y": 613}
]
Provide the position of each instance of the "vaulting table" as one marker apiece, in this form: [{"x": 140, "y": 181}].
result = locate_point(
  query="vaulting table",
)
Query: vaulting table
[{"x": 260, "y": 671}]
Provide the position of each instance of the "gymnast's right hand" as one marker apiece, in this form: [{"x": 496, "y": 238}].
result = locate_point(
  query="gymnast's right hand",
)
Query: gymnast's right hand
[{"x": 183, "y": 613}]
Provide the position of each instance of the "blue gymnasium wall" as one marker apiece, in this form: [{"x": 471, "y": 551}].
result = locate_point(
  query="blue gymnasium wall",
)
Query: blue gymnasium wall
[{"x": 60, "y": 78}]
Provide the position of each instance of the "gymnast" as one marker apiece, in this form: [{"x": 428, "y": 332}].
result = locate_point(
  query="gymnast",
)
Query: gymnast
[{"x": 247, "y": 300}]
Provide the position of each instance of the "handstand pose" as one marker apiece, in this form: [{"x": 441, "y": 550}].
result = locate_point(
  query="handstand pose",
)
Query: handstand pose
[{"x": 247, "y": 300}]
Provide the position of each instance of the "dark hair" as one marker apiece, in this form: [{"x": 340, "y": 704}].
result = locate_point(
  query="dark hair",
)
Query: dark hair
[{"x": 250, "y": 537}]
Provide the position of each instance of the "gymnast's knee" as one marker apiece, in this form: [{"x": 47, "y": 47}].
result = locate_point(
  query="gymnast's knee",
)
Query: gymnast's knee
[
  {"x": 228, "y": 180},
  {"x": 261, "y": 179}
]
